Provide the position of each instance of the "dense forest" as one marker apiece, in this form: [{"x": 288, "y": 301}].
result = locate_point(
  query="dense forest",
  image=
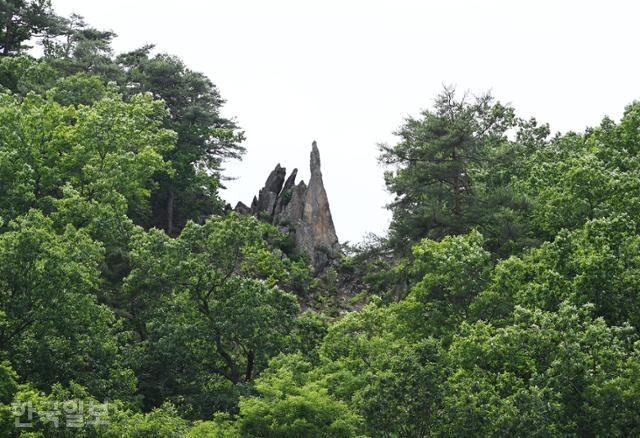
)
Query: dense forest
[{"x": 504, "y": 300}]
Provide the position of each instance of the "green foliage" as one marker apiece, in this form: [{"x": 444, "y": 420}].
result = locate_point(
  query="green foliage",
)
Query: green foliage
[
  {"x": 23, "y": 74},
  {"x": 503, "y": 302},
  {"x": 162, "y": 421},
  {"x": 307, "y": 335},
  {"x": 372, "y": 268},
  {"x": 453, "y": 272},
  {"x": 205, "y": 138},
  {"x": 439, "y": 168},
  {"x": 79, "y": 63},
  {"x": 74, "y": 412},
  {"x": 109, "y": 149},
  {"x": 52, "y": 327},
  {"x": 290, "y": 404},
  {"x": 8, "y": 382},
  {"x": 392, "y": 382},
  {"x": 20, "y": 20},
  {"x": 208, "y": 308},
  {"x": 596, "y": 264},
  {"x": 577, "y": 178},
  {"x": 78, "y": 89},
  {"x": 541, "y": 375}
]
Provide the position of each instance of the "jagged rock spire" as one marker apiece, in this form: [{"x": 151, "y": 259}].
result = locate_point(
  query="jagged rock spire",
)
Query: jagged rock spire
[
  {"x": 300, "y": 210},
  {"x": 317, "y": 235},
  {"x": 314, "y": 159},
  {"x": 268, "y": 195}
]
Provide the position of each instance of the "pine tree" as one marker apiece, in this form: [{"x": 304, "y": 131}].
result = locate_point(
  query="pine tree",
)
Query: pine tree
[
  {"x": 437, "y": 166},
  {"x": 21, "y": 20}
]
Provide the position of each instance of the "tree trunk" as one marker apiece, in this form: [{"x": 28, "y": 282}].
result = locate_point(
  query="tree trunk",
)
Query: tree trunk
[
  {"x": 7, "y": 38},
  {"x": 250, "y": 360},
  {"x": 456, "y": 185},
  {"x": 234, "y": 373},
  {"x": 170, "y": 209}
]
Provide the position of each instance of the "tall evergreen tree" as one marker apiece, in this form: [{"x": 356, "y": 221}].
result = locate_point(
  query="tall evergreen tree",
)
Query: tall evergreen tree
[
  {"x": 437, "y": 167},
  {"x": 205, "y": 137},
  {"x": 21, "y": 20}
]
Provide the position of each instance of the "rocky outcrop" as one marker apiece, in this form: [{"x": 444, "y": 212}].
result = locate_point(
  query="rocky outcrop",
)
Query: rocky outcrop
[
  {"x": 241, "y": 208},
  {"x": 268, "y": 195},
  {"x": 300, "y": 210},
  {"x": 316, "y": 234},
  {"x": 286, "y": 194}
]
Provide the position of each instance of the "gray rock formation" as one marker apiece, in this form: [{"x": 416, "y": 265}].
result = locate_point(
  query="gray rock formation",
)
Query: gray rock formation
[
  {"x": 286, "y": 193},
  {"x": 316, "y": 234},
  {"x": 300, "y": 210},
  {"x": 242, "y": 209},
  {"x": 268, "y": 195}
]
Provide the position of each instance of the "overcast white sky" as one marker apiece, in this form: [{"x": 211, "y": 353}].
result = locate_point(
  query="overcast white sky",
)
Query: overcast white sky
[{"x": 346, "y": 73}]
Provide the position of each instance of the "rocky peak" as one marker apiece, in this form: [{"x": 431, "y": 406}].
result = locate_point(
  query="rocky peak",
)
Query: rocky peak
[
  {"x": 314, "y": 160},
  {"x": 275, "y": 179},
  {"x": 300, "y": 210},
  {"x": 268, "y": 195}
]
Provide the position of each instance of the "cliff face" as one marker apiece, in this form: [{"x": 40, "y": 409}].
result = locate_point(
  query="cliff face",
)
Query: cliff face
[{"x": 300, "y": 210}]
